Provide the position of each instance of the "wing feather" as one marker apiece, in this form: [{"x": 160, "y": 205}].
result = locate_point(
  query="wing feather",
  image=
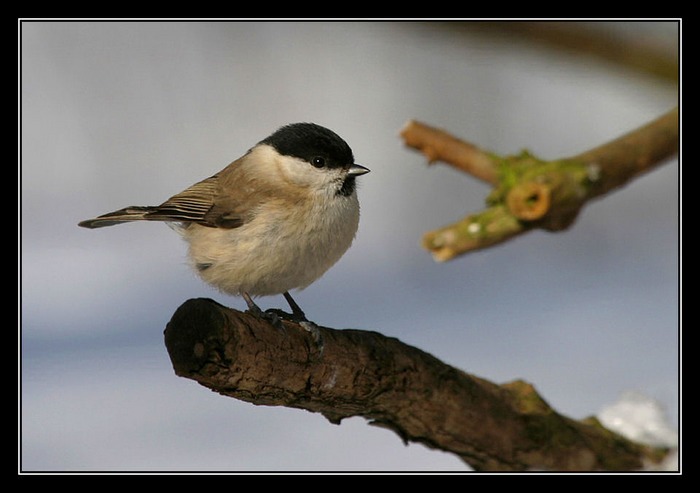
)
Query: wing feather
[
  {"x": 208, "y": 202},
  {"x": 190, "y": 205}
]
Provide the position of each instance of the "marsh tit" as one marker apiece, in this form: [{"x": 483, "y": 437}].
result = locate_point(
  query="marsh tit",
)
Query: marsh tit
[{"x": 273, "y": 220}]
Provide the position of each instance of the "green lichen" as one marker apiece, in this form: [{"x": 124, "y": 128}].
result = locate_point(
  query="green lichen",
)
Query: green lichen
[{"x": 570, "y": 178}]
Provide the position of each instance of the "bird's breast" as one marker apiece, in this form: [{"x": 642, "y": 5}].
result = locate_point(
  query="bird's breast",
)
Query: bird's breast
[{"x": 284, "y": 246}]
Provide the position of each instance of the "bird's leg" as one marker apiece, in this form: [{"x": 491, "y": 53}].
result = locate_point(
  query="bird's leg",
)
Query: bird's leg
[
  {"x": 296, "y": 309},
  {"x": 252, "y": 307},
  {"x": 275, "y": 317},
  {"x": 297, "y": 314},
  {"x": 255, "y": 310},
  {"x": 300, "y": 317}
]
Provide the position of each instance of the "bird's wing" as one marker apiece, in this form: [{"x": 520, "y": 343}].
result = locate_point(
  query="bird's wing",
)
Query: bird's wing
[
  {"x": 190, "y": 205},
  {"x": 203, "y": 203}
]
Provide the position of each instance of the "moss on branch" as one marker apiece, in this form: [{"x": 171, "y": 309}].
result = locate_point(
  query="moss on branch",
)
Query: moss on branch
[{"x": 532, "y": 193}]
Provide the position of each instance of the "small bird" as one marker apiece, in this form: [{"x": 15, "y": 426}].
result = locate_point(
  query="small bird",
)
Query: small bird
[{"x": 273, "y": 220}]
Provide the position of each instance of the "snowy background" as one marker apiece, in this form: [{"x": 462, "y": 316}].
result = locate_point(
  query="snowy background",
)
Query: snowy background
[{"x": 119, "y": 113}]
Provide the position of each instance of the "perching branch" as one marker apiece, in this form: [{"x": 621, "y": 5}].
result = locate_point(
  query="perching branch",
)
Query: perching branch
[
  {"x": 359, "y": 373},
  {"x": 532, "y": 193}
]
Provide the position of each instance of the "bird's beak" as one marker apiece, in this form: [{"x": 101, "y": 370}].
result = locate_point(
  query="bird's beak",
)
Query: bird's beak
[{"x": 357, "y": 170}]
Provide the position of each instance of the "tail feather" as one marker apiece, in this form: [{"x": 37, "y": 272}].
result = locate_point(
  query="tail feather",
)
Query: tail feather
[{"x": 128, "y": 214}]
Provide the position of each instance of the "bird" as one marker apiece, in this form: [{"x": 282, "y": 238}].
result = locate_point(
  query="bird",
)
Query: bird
[{"x": 274, "y": 220}]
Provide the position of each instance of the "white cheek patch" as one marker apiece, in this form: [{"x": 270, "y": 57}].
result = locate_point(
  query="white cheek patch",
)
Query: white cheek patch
[
  {"x": 299, "y": 172},
  {"x": 287, "y": 170}
]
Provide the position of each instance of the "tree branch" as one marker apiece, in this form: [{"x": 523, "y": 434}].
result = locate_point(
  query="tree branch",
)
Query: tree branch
[
  {"x": 639, "y": 53},
  {"x": 359, "y": 373},
  {"x": 532, "y": 193}
]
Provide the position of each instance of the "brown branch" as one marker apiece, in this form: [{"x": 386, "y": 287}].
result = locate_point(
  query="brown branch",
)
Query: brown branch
[
  {"x": 640, "y": 53},
  {"x": 633, "y": 154},
  {"x": 532, "y": 193},
  {"x": 359, "y": 373},
  {"x": 438, "y": 145}
]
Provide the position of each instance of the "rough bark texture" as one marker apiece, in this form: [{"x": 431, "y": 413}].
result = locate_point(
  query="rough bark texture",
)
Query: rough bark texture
[{"x": 361, "y": 373}]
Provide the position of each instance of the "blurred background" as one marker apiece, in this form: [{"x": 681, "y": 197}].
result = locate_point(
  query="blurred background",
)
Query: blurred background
[{"x": 129, "y": 113}]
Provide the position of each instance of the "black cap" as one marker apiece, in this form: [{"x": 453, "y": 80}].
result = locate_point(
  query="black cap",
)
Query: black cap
[{"x": 312, "y": 143}]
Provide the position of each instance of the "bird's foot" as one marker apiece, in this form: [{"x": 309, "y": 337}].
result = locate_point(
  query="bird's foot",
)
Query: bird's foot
[
  {"x": 275, "y": 316},
  {"x": 304, "y": 322},
  {"x": 272, "y": 316}
]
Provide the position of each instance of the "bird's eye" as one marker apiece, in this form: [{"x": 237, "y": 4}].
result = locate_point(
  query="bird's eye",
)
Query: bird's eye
[{"x": 318, "y": 162}]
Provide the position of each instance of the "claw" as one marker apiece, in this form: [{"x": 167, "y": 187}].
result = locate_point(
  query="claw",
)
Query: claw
[
  {"x": 276, "y": 316},
  {"x": 270, "y": 315}
]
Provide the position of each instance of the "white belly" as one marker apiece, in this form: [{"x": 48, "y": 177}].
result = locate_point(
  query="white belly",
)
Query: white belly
[{"x": 286, "y": 251}]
